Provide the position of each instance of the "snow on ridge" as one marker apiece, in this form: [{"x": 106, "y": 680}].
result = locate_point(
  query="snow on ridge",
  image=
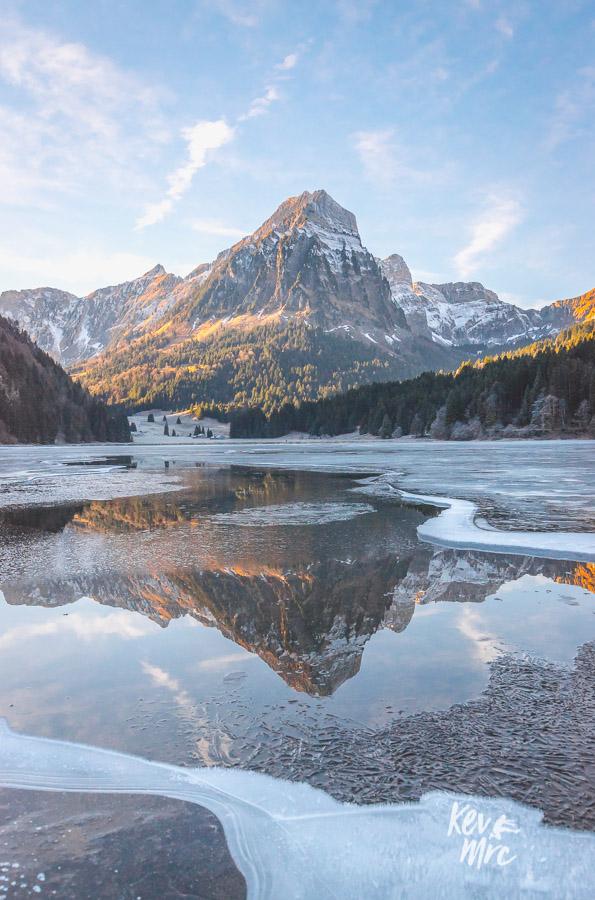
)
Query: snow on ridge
[{"x": 460, "y": 313}]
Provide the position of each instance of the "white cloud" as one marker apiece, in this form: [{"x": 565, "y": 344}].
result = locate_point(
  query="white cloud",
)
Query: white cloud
[
  {"x": 161, "y": 678},
  {"x": 501, "y": 214},
  {"x": 243, "y": 13},
  {"x": 289, "y": 62},
  {"x": 202, "y": 139},
  {"x": 352, "y": 12},
  {"x": 216, "y": 228},
  {"x": 216, "y": 663},
  {"x": 485, "y": 647},
  {"x": 119, "y": 623},
  {"x": 260, "y": 105}
]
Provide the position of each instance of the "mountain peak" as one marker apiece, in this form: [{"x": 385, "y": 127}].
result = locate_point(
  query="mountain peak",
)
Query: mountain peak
[
  {"x": 315, "y": 208},
  {"x": 396, "y": 270},
  {"x": 155, "y": 271}
]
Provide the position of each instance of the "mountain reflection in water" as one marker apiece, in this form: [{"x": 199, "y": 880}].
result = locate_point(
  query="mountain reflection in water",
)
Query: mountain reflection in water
[{"x": 305, "y": 599}]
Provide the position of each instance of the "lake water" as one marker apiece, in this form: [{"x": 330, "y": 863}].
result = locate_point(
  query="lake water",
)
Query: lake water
[{"x": 264, "y": 607}]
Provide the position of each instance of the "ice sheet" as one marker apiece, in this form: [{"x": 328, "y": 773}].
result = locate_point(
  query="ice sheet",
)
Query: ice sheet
[
  {"x": 292, "y": 840},
  {"x": 459, "y": 527},
  {"x": 294, "y": 514}
]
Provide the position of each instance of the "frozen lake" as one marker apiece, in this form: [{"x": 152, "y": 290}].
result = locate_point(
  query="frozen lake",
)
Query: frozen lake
[{"x": 278, "y": 609}]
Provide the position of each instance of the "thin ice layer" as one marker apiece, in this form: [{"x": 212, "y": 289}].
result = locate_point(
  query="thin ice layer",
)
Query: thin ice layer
[
  {"x": 457, "y": 526},
  {"x": 294, "y": 514},
  {"x": 291, "y": 840}
]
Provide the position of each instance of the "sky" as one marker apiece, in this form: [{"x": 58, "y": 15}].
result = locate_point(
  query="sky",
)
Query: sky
[{"x": 460, "y": 133}]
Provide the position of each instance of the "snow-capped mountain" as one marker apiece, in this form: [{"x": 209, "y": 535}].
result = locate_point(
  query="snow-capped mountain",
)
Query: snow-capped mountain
[
  {"x": 72, "y": 328},
  {"x": 466, "y": 314},
  {"x": 303, "y": 288}
]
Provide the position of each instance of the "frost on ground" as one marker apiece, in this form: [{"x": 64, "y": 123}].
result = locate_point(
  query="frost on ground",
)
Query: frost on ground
[
  {"x": 290, "y": 839},
  {"x": 294, "y": 514}
]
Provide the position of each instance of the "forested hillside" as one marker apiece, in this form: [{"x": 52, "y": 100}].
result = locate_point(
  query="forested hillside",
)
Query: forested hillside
[
  {"x": 260, "y": 365},
  {"x": 40, "y": 403},
  {"x": 544, "y": 389}
]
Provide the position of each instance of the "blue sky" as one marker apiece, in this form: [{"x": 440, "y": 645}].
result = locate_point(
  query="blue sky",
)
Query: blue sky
[{"x": 460, "y": 133}]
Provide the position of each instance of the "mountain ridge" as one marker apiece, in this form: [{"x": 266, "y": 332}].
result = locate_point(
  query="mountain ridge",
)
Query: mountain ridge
[{"x": 304, "y": 282}]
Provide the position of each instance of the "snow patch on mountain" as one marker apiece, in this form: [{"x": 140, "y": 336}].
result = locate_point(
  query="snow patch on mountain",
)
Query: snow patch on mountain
[{"x": 462, "y": 314}]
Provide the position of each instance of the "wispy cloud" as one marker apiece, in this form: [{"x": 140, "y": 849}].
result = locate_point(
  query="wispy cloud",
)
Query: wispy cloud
[
  {"x": 502, "y": 212},
  {"x": 242, "y": 13},
  {"x": 216, "y": 228},
  {"x": 69, "y": 114},
  {"x": 485, "y": 647},
  {"x": 377, "y": 153},
  {"x": 352, "y": 12},
  {"x": 202, "y": 140},
  {"x": 504, "y": 27},
  {"x": 260, "y": 105},
  {"x": 87, "y": 628},
  {"x": 77, "y": 269},
  {"x": 574, "y": 109},
  {"x": 384, "y": 160},
  {"x": 289, "y": 62}
]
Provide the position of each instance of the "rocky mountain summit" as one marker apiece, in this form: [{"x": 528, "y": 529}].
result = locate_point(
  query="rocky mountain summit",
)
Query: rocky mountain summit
[{"x": 306, "y": 260}]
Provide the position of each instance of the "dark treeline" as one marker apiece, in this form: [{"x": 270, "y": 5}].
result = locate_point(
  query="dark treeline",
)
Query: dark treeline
[
  {"x": 546, "y": 388},
  {"x": 40, "y": 403}
]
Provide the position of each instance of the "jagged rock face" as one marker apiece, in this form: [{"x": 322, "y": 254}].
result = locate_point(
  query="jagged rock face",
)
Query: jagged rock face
[
  {"x": 396, "y": 271},
  {"x": 72, "y": 328},
  {"x": 306, "y": 260},
  {"x": 44, "y": 313},
  {"x": 466, "y": 314}
]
